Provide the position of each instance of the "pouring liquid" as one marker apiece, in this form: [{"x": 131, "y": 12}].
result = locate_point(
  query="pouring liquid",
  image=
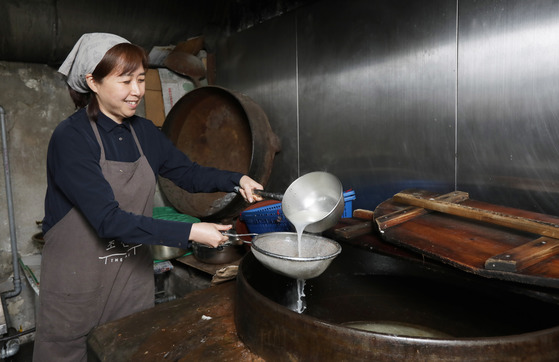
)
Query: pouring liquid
[{"x": 301, "y": 220}]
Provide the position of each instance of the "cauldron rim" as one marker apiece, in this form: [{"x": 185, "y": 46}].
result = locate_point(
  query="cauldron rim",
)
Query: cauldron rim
[{"x": 248, "y": 302}]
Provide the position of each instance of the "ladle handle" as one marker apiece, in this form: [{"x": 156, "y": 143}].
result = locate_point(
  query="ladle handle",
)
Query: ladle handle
[
  {"x": 269, "y": 195},
  {"x": 265, "y": 194}
]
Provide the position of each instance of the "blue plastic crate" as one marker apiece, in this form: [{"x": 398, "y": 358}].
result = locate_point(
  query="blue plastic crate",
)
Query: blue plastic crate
[
  {"x": 265, "y": 219},
  {"x": 349, "y": 196},
  {"x": 270, "y": 218}
]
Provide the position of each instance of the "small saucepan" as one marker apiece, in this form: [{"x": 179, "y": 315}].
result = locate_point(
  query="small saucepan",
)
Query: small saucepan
[{"x": 230, "y": 251}]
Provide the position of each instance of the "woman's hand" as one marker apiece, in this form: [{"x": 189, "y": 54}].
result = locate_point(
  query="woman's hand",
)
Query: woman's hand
[
  {"x": 246, "y": 186},
  {"x": 209, "y": 234}
]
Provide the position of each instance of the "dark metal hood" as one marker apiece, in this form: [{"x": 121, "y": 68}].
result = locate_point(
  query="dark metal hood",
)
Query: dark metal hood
[{"x": 44, "y": 31}]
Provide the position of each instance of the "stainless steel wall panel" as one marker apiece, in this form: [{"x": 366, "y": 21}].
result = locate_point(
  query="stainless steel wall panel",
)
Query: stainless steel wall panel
[
  {"x": 395, "y": 94},
  {"x": 364, "y": 91},
  {"x": 508, "y": 105},
  {"x": 376, "y": 94},
  {"x": 261, "y": 62}
]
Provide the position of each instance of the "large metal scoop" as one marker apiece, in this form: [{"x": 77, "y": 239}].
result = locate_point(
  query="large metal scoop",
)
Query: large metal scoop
[
  {"x": 319, "y": 193},
  {"x": 279, "y": 252}
]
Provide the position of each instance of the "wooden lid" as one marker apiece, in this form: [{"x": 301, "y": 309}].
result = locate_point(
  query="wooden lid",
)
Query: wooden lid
[{"x": 485, "y": 239}]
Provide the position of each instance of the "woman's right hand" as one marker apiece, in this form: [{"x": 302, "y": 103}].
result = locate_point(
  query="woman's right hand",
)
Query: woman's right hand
[{"x": 209, "y": 234}]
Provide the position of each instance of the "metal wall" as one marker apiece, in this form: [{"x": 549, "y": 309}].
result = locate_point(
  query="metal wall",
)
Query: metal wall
[
  {"x": 508, "y": 102},
  {"x": 395, "y": 94},
  {"x": 363, "y": 91},
  {"x": 44, "y": 31}
]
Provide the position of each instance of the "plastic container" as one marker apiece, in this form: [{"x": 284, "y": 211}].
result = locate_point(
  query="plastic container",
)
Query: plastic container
[
  {"x": 170, "y": 213},
  {"x": 349, "y": 196},
  {"x": 162, "y": 252},
  {"x": 265, "y": 219},
  {"x": 270, "y": 218}
]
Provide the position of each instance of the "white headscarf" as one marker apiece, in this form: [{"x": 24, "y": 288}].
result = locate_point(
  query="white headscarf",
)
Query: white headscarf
[{"x": 84, "y": 57}]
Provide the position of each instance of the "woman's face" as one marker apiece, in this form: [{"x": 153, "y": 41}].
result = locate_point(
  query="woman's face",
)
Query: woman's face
[{"x": 119, "y": 95}]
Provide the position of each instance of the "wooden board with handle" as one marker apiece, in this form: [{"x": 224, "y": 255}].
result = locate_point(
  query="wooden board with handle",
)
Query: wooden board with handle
[
  {"x": 489, "y": 240},
  {"x": 408, "y": 213},
  {"x": 449, "y": 207}
]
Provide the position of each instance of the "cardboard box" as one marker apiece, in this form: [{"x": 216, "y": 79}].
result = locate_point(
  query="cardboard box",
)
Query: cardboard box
[
  {"x": 155, "y": 109},
  {"x": 173, "y": 87},
  {"x": 164, "y": 88}
]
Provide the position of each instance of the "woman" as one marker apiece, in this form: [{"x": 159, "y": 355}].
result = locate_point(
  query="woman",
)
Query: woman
[{"x": 102, "y": 166}]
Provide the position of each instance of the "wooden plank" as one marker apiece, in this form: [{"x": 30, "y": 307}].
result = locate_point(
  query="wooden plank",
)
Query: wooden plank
[
  {"x": 360, "y": 228},
  {"x": 514, "y": 222},
  {"x": 353, "y": 231},
  {"x": 524, "y": 255},
  {"x": 408, "y": 213},
  {"x": 363, "y": 214},
  {"x": 175, "y": 331}
]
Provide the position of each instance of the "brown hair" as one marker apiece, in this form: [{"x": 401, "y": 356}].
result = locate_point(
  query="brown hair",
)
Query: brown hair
[{"x": 123, "y": 58}]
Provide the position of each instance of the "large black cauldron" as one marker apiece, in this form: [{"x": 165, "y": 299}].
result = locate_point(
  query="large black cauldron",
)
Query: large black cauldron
[{"x": 469, "y": 318}]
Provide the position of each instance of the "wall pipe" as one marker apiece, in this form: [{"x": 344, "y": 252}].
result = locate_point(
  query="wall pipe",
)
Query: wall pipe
[{"x": 17, "y": 278}]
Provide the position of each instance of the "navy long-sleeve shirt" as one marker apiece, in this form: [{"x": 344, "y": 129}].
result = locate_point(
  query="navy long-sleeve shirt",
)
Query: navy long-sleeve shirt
[{"x": 74, "y": 178}]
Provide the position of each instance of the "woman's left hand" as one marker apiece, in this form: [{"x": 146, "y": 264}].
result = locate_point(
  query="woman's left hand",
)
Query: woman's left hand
[{"x": 246, "y": 186}]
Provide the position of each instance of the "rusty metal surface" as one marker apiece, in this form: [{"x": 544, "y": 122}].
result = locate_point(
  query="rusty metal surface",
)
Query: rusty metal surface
[
  {"x": 482, "y": 318},
  {"x": 219, "y": 128},
  {"x": 198, "y": 327}
]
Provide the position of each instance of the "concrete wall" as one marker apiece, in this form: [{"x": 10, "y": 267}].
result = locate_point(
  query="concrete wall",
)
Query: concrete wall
[{"x": 35, "y": 99}]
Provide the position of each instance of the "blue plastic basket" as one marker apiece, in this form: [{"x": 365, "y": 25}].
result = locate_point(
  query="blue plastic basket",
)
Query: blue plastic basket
[
  {"x": 265, "y": 219},
  {"x": 270, "y": 218}
]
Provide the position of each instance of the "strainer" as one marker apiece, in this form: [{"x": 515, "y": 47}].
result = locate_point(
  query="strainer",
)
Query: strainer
[{"x": 279, "y": 252}]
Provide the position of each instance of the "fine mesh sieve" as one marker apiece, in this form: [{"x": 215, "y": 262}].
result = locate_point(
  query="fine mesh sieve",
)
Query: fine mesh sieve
[{"x": 279, "y": 252}]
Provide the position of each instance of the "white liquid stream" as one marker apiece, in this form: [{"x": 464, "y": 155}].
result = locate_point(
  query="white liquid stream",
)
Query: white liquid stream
[
  {"x": 301, "y": 306},
  {"x": 300, "y": 220}
]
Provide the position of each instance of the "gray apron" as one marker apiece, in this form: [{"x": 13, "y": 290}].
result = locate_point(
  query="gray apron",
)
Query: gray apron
[{"x": 86, "y": 280}]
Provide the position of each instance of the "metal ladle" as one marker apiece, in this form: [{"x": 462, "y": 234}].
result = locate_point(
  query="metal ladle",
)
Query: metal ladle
[{"x": 318, "y": 191}]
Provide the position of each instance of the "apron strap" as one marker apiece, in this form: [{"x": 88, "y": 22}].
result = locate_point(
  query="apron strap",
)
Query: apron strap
[
  {"x": 136, "y": 139},
  {"x": 96, "y": 131}
]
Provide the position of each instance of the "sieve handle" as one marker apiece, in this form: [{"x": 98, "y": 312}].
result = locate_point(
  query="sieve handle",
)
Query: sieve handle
[{"x": 235, "y": 235}]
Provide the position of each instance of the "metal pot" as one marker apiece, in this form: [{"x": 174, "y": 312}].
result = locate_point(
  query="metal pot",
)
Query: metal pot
[
  {"x": 223, "y": 254},
  {"x": 162, "y": 252}
]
